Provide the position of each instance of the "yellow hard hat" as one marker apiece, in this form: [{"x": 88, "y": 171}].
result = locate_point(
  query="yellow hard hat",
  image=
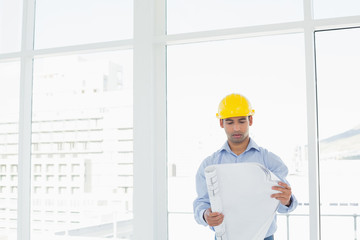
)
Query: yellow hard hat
[{"x": 234, "y": 105}]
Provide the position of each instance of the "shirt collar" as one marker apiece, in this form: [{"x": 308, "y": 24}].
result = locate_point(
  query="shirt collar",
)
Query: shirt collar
[{"x": 252, "y": 144}]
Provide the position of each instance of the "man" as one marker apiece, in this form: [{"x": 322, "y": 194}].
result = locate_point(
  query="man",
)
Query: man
[{"x": 236, "y": 116}]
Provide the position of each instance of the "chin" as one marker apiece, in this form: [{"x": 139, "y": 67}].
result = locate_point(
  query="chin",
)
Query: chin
[{"x": 237, "y": 140}]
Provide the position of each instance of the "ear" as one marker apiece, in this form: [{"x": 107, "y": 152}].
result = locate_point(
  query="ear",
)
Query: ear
[
  {"x": 250, "y": 120},
  {"x": 222, "y": 123}
]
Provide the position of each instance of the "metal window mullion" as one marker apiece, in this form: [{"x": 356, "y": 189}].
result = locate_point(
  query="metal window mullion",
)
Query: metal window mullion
[
  {"x": 263, "y": 30},
  {"x": 10, "y": 56},
  {"x": 150, "y": 179},
  {"x": 161, "y": 180},
  {"x": 234, "y": 33},
  {"x": 313, "y": 155},
  {"x": 85, "y": 48},
  {"x": 337, "y": 23},
  {"x": 312, "y": 122},
  {"x": 24, "y": 151},
  {"x": 143, "y": 120}
]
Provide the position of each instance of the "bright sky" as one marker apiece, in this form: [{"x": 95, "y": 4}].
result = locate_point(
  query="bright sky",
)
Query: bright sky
[
  {"x": 267, "y": 70},
  {"x": 338, "y": 57}
]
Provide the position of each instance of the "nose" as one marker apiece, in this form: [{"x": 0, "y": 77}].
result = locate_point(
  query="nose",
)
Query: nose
[{"x": 236, "y": 127}]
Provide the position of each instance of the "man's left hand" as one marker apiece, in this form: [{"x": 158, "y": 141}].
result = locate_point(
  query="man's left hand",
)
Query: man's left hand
[{"x": 284, "y": 195}]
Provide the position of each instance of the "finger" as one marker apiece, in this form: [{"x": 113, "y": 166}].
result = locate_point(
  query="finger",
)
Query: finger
[
  {"x": 281, "y": 189},
  {"x": 218, "y": 219},
  {"x": 284, "y": 185},
  {"x": 281, "y": 198},
  {"x": 284, "y": 193},
  {"x": 214, "y": 214},
  {"x": 274, "y": 195},
  {"x": 280, "y": 195},
  {"x": 214, "y": 218},
  {"x": 215, "y": 222}
]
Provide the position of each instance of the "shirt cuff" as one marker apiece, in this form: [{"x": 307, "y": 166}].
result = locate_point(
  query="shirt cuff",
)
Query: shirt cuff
[
  {"x": 288, "y": 205},
  {"x": 285, "y": 209},
  {"x": 202, "y": 217}
]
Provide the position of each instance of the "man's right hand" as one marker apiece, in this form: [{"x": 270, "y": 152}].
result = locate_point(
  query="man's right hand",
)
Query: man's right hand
[{"x": 213, "y": 218}]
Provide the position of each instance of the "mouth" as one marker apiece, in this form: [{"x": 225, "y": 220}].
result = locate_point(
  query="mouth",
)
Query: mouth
[{"x": 237, "y": 135}]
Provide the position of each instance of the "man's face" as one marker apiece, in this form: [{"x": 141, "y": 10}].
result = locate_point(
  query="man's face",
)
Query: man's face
[{"x": 236, "y": 128}]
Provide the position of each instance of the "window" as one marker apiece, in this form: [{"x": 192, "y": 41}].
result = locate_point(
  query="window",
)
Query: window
[
  {"x": 337, "y": 54},
  {"x": 202, "y": 15},
  {"x": 336, "y": 8},
  {"x": 270, "y": 72},
  {"x": 37, "y": 178},
  {"x": 10, "y": 25},
  {"x": 13, "y": 168},
  {"x": 49, "y": 190},
  {"x": 9, "y": 107},
  {"x": 14, "y": 190},
  {"x": 62, "y": 190},
  {"x": 67, "y": 22},
  {"x": 49, "y": 178},
  {"x": 62, "y": 168},
  {"x": 49, "y": 168},
  {"x": 37, "y": 168},
  {"x": 57, "y": 97},
  {"x": 62, "y": 178}
]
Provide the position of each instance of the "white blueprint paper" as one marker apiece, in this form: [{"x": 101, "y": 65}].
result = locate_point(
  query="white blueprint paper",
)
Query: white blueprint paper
[{"x": 241, "y": 191}]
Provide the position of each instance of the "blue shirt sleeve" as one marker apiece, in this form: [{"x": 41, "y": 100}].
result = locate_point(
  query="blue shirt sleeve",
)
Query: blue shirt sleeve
[{"x": 202, "y": 202}]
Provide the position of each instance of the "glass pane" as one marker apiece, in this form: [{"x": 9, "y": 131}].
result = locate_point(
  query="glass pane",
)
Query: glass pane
[
  {"x": 10, "y": 25},
  {"x": 186, "y": 219},
  {"x": 338, "y": 55},
  {"x": 345, "y": 223},
  {"x": 201, "y": 15},
  {"x": 82, "y": 146},
  {"x": 289, "y": 225},
  {"x": 270, "y": 72},
  {"x": 9, "y": 107},
  {"x": 69, "y": 22},
  {"x": 336, "y": 8}
]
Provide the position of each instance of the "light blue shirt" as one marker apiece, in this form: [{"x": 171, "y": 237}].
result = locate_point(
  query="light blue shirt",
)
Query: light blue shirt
[{"x": 253, "y": 153}]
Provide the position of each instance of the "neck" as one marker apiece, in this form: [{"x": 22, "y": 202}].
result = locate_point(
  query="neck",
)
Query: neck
[{"x": 239, "y": 148}]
